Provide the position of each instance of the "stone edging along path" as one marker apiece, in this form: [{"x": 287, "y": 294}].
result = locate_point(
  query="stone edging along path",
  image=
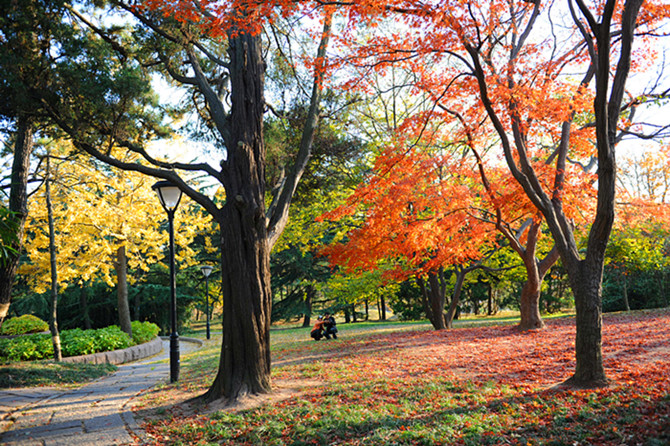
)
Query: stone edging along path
[
  {"x": 120, "y": 356},
  {"x": 129, "y": 354}
]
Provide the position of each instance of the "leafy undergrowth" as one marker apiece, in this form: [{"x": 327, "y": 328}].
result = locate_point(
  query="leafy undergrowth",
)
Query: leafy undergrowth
[{"x": 483, "y": 385}]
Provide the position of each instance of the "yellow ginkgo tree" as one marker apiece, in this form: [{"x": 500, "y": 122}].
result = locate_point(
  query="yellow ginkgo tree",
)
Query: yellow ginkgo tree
[{"x": 107, "y": 221}]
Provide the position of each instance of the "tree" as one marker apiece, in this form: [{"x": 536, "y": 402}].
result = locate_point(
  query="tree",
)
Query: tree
[
  {"x": 585, "y": 273},
  {"x": 108, "y": 220},
  {"x": 224, "y": 69},
  {"x": 53, "y": 318},
  {"x": 639, "y": 241},
  {"x": 417, "y": 222},
  {"x": 501, "y": 54},
  {"x": 23, "y": 53}
]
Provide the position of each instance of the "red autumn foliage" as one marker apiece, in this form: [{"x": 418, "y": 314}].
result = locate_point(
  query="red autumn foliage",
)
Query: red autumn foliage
[{"x": 504, "y": 377}]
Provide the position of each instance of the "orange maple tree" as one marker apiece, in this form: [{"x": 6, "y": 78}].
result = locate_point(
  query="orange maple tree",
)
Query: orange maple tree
[
  {"x": 418, "y": 220},
  {"x": 546, "y": 78}
]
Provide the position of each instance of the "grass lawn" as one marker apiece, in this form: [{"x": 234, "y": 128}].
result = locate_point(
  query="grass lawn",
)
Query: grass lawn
[
  {"x": 49, "y": 373},
  {"x": 405, "y": 384}
]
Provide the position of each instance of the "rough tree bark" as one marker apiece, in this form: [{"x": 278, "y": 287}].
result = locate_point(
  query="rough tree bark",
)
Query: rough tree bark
[
  {"x": 244, "y": 365},
  {"x": 248, "y": 230},
  {"x": 536, "y": 270},
  {"x": 433, "y": 300},
  {"x": 584, "y": 273},
  {"x": 53, "y": 317},
  {"x": 18, "y": 204},
  {"x": 121, "y": 267}
]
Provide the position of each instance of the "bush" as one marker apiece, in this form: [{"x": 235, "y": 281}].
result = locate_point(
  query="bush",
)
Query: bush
[
  {"x": 75, "y": 342},
  {"x": 23, "y": 325},
  {"x": 26, "y": 348},
  {"x": 111, "y": 338},
  {"x": 144, "y": 331},
  {"x": 78, "y": 342}
]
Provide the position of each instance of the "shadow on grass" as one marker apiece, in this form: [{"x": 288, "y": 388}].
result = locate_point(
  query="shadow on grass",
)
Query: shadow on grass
[{"x": 48, "y": 373}]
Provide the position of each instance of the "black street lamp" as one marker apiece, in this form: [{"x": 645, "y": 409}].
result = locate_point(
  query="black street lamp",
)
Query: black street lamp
[
  {"x": 169, "y": 196},
  {"x": 206, "y": 271}
]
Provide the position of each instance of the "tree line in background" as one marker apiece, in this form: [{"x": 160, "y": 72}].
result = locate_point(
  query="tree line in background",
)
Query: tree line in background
[{"x": 461, "y": 165}]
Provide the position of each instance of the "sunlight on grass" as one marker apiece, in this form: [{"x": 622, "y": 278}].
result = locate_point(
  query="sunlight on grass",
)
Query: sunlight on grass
[
  {"x": 403, "y": 384},
  {"x": 49, "y": 373}
]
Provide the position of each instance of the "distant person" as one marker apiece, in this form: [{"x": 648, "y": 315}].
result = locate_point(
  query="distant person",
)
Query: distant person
[
  {"x": 317, "y": 331},
  {"x": 329, "y": 326}
]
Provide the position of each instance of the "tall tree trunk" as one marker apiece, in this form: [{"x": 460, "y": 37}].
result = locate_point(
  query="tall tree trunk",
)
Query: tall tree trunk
[
  {"x": 136, "y": 307},
  {"x": 121, "y": 267},
  {"x": 586, "y": 287},
  {"x": 244, "y": 366},
  {"x": 489, "y": 306},
  {"x": 433, "y": 299},
  {"x": 625, "y": 292},
  {"x": 83, "y": 303},
  {"x": 53, "y": 319},
  {"x": 309, "y": 297},
  {"x": 382, "y": 302},
  {"x": 456, "y": 295},
  {"x": 18, "y": 204},
  {"x": 367, "y": 309}
]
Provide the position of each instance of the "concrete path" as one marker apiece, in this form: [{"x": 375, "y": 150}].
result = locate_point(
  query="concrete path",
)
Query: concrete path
[{"x": 96, "y": 414}]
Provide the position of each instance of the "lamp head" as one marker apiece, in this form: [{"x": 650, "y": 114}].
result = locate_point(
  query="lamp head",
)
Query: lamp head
[
  {"x": 206, "y": 270},
  {"x": 168, "y": 194}
]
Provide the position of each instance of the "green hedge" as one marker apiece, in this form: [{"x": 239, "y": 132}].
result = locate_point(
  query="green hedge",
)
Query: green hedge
[
  {"x": 75, "y": 342},
  {"x": 23, "y": 325},
  {"x": 26, "y": 348},
  {"x": 144, "y": 331}
]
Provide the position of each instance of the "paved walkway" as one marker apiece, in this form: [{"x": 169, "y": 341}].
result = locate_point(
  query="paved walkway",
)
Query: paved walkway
[{"x": 96, "y": 414}]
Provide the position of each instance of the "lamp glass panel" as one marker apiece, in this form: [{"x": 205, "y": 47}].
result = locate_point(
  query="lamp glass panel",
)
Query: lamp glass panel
[
  {"x": 170, "y": 196},
  {"x": 206, "y": 270}
]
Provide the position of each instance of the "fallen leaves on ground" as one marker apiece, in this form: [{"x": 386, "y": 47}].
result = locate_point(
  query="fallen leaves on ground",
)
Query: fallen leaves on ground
[{"x": 484, "y": 385}]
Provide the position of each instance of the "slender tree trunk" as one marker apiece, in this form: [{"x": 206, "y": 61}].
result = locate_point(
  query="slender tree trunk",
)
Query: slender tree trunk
[
  {"x": 136, "y": 307},
  {"x": 367, "y": 309},
  {"x": 382, "y": 303},
  {"x": 53, "y": 320},
  {"x": 433, "y": 294},
  {"x": 625, "y": 292},
  {"x": 490, "y": 301},
  {"x": 83, "y": 303},
  {"x": 121, "y": 266},
  {"x": 18, "y": 204},
  {"x": 531, "y": 319},
  {"x": 353, "y": 312},
  {"x": 456, "y": 296},
  {"x": 309, "y": 297}
]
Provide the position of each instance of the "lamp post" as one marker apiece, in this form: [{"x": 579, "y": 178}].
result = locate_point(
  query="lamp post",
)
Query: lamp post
[
  {"x": 169, "y": 196},
  {"x": 206, "y": 271}
]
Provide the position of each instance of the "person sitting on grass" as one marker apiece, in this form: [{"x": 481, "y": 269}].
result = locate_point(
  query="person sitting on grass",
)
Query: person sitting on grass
[
  {"x": 329, "y": 326},
  {"x": 317, "y": 331}
]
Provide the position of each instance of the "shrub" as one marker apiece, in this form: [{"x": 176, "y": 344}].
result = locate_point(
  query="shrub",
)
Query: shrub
[
  {"x": 111, "y": 338},
  {"x": 26, "y": 348},
  {"x": 144, "y": 331},
  {"x": 77, "y": 342},
  {"x": 74, "y": 342},
  {"x": 23, "y": 325}
]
